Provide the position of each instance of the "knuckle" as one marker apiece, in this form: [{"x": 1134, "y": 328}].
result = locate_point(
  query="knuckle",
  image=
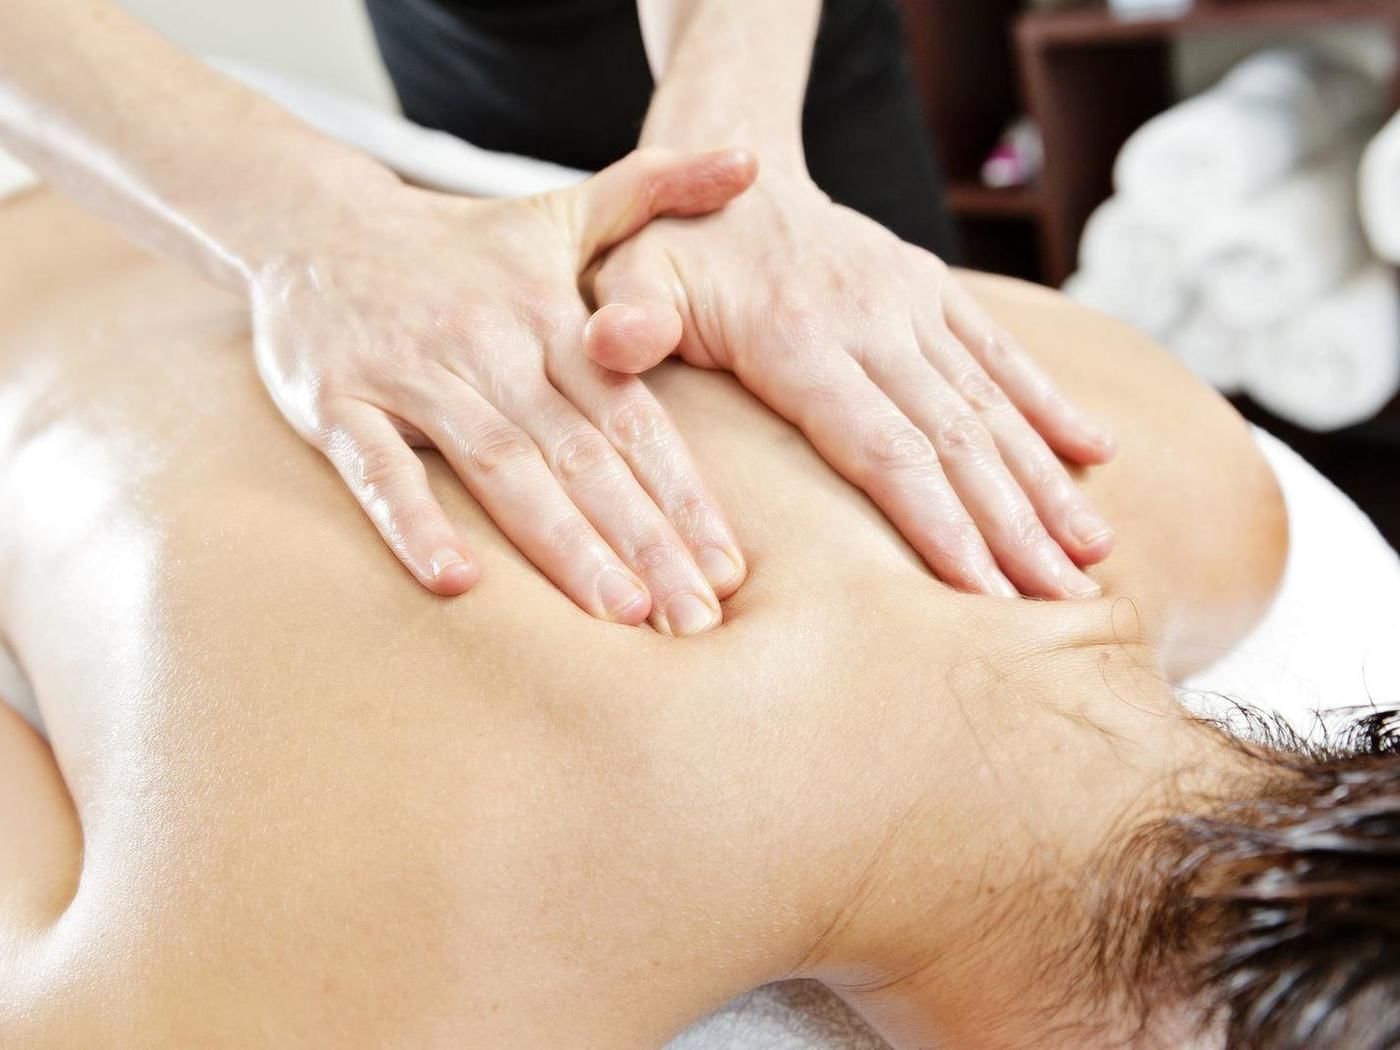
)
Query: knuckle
[
  {"x": 581, "y": 451},
  {"x": 413, "y": 515},
  {"x": 936, "y": 266},
  {"x": 984, "y": 395},
  {"x": 899, "y": 446},
  {"x": 690, "y": 514},
  {"x": 794, "y": 315},
  {"x": 1048, "y": 476},
  {"x": 651, "y": 552},
  {"x": 549, "y": 313},
  {"x": 1024, "y": 530},
  {"x": 961, "y": 434},
  {"x": 953, "y": 544},
  {"x": 382, "y": 470},
  {"x": 997, "y": 349},
  {"x": 570, "y": 536},
  {"x": 639, "y": 422},
  {"x": 499, "y": 447}
]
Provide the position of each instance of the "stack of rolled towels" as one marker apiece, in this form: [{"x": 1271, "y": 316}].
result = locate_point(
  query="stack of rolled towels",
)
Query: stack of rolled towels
[{"x": 1253, "y": 231}]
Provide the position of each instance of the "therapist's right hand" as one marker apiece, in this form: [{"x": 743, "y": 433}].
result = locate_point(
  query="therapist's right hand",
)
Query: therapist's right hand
[{"x": 418, "y": 319}]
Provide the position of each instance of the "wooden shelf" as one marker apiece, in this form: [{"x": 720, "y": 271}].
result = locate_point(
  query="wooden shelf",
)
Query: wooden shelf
[
  {"x": 1096, "y": 24},
  {"x": 1092, "y": 77},
  {"x": 972, "y": 200}
]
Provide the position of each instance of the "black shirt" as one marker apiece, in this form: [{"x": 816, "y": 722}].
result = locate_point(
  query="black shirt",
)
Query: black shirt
[
  {"x": 568, "y": 81},
  {"x": 526, "y": 15}
]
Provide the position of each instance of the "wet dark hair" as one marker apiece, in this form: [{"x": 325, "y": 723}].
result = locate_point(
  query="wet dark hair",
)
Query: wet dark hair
[{"x": 1276, "y": 912}]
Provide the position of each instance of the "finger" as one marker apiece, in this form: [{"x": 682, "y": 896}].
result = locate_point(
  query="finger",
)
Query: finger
[
  {"x": 1065, "y": 427},
  {"x": 860, "y": 432},
  {"x": 1027, "y": 554},
  {"x": 1061, "y": 504},
  {"x": 503, "y": 470},
  {"x": 387, "y": 478},
  {"x": 633, "y": 422},
  {"x": 649, "y": 183},
  {"x": 595, "y": 477},
  {"x": 636, "y": 325}
]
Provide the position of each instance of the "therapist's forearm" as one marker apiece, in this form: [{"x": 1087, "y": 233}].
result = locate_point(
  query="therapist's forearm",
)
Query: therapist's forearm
[
  {"x": 730, "y": 73},
  {"x": 187, "y": 161}
]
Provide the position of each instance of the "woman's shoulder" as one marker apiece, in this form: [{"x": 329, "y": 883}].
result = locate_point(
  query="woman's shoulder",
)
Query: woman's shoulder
[{"x": 1201, "y": 523}]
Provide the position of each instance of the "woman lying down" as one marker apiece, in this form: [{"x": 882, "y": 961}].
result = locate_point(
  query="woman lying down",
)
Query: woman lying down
[{"x": 293, "y": 800}]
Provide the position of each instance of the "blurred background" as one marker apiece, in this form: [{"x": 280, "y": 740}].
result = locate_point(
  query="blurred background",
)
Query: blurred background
[{"x": 1223, "y": 174}]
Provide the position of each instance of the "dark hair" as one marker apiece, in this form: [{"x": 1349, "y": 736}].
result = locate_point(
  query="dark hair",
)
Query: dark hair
[{"x": 1278, "y": 910}]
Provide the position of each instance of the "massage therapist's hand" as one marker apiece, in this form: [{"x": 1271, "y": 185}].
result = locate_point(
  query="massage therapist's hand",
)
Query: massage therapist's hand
[
  {"x": 418, "y": 319},
  {"x": 898, "y": 378}
]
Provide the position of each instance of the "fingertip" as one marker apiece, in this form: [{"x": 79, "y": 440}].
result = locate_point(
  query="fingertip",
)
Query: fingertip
[
  {"x": 631, "y": 338},
  {"x": 724, "y": 570},
  {"x": 1089, "y": 444},
  {"x": 1097, "y": 549},
  {"x": 686, "y": 615},
  {"x": 623, "y": 597},
  {"x": 451, "y": 573},
  {"x": 1079, "y": 586}
]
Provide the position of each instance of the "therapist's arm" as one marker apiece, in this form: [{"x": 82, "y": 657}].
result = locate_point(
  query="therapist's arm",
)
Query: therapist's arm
[
  {"x": 387, "y": 317},
  {"x": 869, "y": 344}
]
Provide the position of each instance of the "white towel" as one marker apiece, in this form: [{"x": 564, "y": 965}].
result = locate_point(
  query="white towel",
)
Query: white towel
[
  {"x": 429, "y": 158},
  {"x": 1131, "y": 255},
  {"x": 1274, "y": 111},
  {"x": 1259, "y": 262},
  {"x": 793, "y": 1015},
  {"x": 1216, "y": 352},
  {"x": 1380, "y": 192},
  {"x": 15, "y": 690},
  {"x": 1339, "y": 363}
]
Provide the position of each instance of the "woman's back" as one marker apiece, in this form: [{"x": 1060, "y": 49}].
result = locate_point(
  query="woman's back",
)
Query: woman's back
[{"x": 503, "y": 775}]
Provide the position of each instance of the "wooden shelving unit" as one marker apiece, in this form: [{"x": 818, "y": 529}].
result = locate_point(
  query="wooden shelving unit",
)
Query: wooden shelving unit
[{"x": 1090, "y": 78}]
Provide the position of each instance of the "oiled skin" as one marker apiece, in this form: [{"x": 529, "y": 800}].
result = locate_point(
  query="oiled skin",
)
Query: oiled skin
[{"x": 320, "y": 807}]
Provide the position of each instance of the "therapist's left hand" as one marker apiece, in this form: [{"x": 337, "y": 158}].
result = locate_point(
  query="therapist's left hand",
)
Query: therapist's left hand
[{"x": 900, "y": 380}]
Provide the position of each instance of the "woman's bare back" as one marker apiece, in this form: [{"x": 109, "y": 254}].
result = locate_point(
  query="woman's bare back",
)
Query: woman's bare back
[{"x": 494, "y": 818}]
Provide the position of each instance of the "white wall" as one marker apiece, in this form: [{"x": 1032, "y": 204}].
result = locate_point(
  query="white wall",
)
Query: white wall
[
  {"x": 328, "y": 41},
  {"x": 1202, "y": 60}
]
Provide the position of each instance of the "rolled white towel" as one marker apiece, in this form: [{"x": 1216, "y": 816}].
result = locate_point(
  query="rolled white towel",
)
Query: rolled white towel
[
  {"x": 1216, "y": 352},
  {"x": 1134, "y": 252},
  {"x": 1257, "y": 263},
  {"x": 1096, "y": 291},
  {"x": 1273, "y": 112},
  {"x": 1380, "y": 192},
  {"x": 1338, "y": 364}
]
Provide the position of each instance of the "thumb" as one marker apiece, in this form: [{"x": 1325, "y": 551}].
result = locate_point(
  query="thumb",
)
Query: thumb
[
  {"x": 636, "y": 325},
  {"x": 649, "y": 183}
]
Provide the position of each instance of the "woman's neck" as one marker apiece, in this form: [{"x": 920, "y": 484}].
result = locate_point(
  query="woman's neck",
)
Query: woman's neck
[{"x": 970, "y": 931}]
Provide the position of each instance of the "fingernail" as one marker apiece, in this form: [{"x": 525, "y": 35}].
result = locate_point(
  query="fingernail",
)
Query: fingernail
[
  {"x": 1088, "y": 528},
  {"x": 1083, "y": 587},
  {"x": 718, "y": 566},
  {"x": 686, "y": 615},
  {"x": 619, "y": 593},
  {"x": 443, "y": 560}
]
